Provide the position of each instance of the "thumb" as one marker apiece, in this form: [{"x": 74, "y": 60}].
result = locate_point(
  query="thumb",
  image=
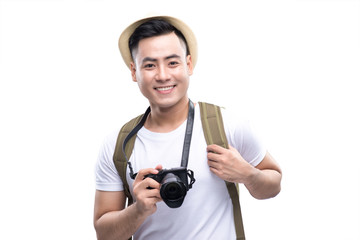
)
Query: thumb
[{"x": 159, "y": 167}]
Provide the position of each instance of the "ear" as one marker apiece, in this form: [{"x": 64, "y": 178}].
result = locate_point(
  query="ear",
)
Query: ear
[
  {"x": 189, "y": 65},
  {"x": 133, "y": 71}
]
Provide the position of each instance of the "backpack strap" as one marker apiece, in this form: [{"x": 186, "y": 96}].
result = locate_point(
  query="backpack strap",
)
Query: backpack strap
[
  {"x": 119, "y": 158},
  {"x": 213, "y": 128}
]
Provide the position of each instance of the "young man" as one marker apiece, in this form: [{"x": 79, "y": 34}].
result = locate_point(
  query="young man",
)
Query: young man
[{"x": 161, "y": 54}]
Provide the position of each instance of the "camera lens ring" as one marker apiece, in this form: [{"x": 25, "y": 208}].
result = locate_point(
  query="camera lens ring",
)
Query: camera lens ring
[{"x": 172, "y": 188}]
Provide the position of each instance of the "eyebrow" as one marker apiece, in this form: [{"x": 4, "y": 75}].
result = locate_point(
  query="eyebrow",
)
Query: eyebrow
[{"x": 149, "y": 59}]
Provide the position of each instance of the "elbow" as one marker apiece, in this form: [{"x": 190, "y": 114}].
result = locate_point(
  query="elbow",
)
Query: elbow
[
  {"x": 267, "y": 191},
  {"x": 276, "y": 192},
  {"x": 276, "y": 189},
  {"x": 97, "y": 230},
  {"x": 276, "y": 185},
  {"x": 268, "y": 195},
  {"x": 100, "y": 235}
]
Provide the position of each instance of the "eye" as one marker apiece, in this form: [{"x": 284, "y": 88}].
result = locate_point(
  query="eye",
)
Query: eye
[
  {"x": 173, "y": 63},
  {"x": 149, "y": 65}
]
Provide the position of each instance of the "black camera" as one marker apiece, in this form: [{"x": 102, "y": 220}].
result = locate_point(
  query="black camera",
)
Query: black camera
[{"x": 174, "y": 184}]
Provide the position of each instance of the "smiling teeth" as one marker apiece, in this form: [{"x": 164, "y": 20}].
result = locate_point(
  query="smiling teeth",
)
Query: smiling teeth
[{"x": 165, "y": 88}]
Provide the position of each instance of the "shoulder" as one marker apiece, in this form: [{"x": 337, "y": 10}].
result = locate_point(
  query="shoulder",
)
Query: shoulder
[
  {"x": 242, "y": 135},
  {"x": 234, "y": 119},
  {"x": 109, "y": 141},
  {"x": 107, "y": 178},
  {"x": 229, "y": 116},
  {"x": 107, "y": 148}
]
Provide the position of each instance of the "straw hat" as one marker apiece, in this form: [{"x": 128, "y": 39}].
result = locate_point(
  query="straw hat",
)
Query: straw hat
[{"x": 180, "y": 25}]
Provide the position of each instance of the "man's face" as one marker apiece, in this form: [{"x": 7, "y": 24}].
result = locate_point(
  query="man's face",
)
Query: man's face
[{"x": 162, "y": 70}]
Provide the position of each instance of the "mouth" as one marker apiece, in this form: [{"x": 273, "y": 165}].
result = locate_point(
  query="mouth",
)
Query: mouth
[{"x": 165, "y": 89}]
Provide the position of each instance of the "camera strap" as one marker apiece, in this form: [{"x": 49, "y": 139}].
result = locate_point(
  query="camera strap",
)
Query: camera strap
[
  {"x": 187, "y": 139},
  {"x": 188, "y": 134}
]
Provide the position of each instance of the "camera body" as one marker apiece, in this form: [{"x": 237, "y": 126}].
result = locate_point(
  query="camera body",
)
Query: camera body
[{"x": 174, "y": 184}]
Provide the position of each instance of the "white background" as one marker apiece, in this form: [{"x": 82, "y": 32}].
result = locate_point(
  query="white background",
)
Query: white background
[{"x": 291, "y": 66}]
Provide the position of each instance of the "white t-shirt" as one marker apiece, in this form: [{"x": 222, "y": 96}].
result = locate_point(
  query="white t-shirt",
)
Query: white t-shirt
[{"x": 207, "y": 211}]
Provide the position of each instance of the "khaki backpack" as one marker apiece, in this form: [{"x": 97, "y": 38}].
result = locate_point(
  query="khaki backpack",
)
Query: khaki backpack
[{"x": 214, "y": 132}]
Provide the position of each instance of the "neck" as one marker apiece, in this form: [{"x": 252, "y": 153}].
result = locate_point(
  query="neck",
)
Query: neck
[{"x": 167, "y": 119}]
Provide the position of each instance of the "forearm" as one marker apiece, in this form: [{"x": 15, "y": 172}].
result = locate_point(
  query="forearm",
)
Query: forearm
[
  {"x": 263, "y": 184},
  {"x": 119, "y": 224}
]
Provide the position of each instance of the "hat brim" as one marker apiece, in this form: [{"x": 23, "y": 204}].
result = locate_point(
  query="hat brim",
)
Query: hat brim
[{"x": 178, "y": 24}]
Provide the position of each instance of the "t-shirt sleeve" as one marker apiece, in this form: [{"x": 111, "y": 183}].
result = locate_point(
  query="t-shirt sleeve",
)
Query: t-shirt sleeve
[
  {"x": 106, "y": 175},
  {"x": 241, "y": 136}
]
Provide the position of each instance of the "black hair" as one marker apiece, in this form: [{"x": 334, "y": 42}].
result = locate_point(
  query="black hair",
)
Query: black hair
[{"x": 153, "y": 28}]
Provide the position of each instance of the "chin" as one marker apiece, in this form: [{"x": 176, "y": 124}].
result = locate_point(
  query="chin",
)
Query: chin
[{"x": 167, "y": 103}]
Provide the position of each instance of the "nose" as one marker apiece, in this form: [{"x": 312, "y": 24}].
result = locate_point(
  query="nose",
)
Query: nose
[{"x": 162, "y": 73}]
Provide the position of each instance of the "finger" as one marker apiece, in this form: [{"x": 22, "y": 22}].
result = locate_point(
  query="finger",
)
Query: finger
[
  {"x": 213, "y": 156},
  {"x": 147, "y": 188},
  {"x": 150, "y": 192},
  {"x": 215, "y": 148},
  {"x": 150, "y": 183},
  {"x": 214, "y": 163},
  {"x": 146, "y": 199},
  {"x": 214, "y": 170},
  {"x": 143, "y": 172},
  {"x": 215, "y": 152},
  {"x": 159, "y": 167}
]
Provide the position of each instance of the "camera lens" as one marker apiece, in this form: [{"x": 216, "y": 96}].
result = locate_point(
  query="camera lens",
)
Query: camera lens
[{"x": 172, "y": 188}]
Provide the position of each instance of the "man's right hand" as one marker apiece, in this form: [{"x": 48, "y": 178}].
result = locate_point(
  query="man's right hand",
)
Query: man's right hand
[{"x": 146, "y": 191}]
